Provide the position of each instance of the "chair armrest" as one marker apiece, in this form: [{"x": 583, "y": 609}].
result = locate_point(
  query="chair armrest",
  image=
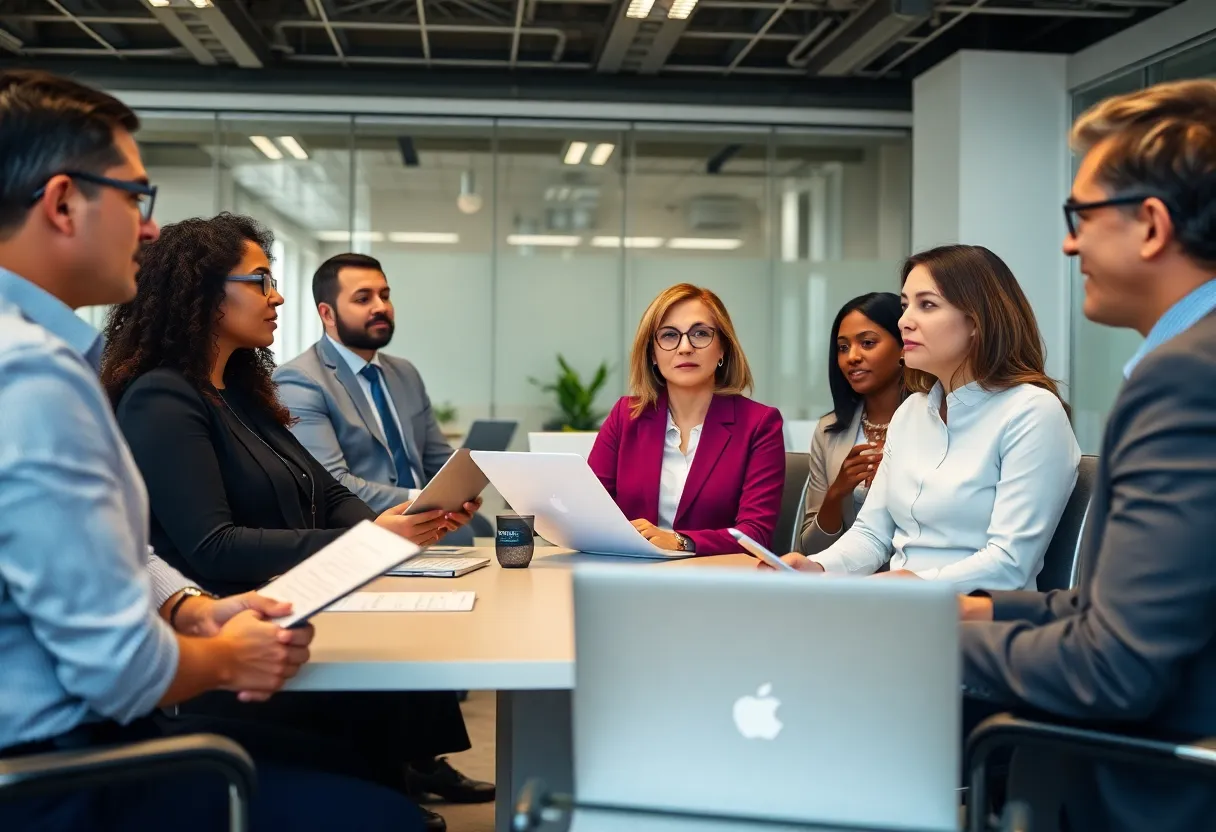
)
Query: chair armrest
[
  {"x": 1010, "y": 731},
  {"x": 60, "y": 771}
]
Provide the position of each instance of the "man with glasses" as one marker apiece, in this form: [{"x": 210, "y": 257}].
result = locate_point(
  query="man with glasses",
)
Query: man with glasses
[
  {"x": 94, "y": 634},
  {"x": 1134, "y": 645}
]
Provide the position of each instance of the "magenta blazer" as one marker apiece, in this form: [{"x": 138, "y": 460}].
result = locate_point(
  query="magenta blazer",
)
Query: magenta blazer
[{"x": 736, "y": 478}]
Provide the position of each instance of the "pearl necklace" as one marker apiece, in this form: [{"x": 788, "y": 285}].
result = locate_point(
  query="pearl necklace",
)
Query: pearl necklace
[{"x": 874, "y": 432}]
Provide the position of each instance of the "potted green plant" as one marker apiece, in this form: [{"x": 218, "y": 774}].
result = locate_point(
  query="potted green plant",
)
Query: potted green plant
[
  {"x": 575, "y": 401},
  {"x": 445, "y": 414}
]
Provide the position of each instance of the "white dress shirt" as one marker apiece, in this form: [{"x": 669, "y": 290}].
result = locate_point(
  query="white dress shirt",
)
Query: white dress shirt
[
  {"x": 676, "y": 465},
  {"x": 973, "y": 500},
  {"x": 356, "y": 364}
]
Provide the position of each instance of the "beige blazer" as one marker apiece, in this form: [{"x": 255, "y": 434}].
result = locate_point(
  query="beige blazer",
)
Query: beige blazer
[{"x": 828, "y": 451}]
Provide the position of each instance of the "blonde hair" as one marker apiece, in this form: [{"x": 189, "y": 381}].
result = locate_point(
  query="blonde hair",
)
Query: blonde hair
[
  {"x": 1161, "y": 142},
  {"x": 734, "y": 377}
]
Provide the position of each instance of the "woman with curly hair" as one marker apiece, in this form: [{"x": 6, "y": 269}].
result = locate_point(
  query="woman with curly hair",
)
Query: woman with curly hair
[{"x": 235, "y": 498}]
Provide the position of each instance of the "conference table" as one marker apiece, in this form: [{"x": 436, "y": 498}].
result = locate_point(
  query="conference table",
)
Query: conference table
[{"x": 518, "y": 640}]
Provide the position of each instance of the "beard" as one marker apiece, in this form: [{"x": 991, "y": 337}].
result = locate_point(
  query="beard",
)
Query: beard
[{"x": 361, "y": 338}]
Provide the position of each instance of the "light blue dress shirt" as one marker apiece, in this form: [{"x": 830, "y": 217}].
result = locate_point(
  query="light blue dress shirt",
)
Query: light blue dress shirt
[
  {"x": 80, "y": 639},
  {"x": 1177, "y": 319}
]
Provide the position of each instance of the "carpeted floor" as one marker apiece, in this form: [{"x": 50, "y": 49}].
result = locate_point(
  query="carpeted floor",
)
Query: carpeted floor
[{"x": 477, "y": 762}]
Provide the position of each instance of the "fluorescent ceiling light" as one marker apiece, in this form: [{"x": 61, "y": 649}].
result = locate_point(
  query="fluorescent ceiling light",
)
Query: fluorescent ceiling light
[
  {"x": 705, "y": 243},
  {"x": 681, "y": 9},
  {"x": 566, "y": 240},
  {"x": 630, "y": 242},
  {"x": 292, "y": 146},
  {"x": 602, "y": 153},
  {"x": 639, "y": 9},
  {"x": 345, "y": 236},
  {"x": 574, "y": 153},
  {"x": 423, "y": 237},
  {"x": 201, "y": 4},
  {"x": 269, "y": 148},
  {"x": 160, "y": 4}
]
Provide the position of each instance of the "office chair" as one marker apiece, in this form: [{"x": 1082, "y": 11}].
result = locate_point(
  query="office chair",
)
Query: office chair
[
  {"x": 1060, "y": 566},
  {"x": 64, "y": 771},
  {"x": 793, "y": 498},
  {"x": 1007, "y": 731}
]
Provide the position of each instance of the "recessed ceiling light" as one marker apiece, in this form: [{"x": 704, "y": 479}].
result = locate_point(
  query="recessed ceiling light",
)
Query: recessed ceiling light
[
  {"x": 567, "y": 240},
  {"x": 681, "y": 9},
  {"x": 293, "y": 147},
  {"x": 602, "y": 153},
  {"x": 639, "y": 9},
  {"x": 574, "y": 153},
  {"x": 201, "y": 4},
  {"x": 160, "y": 4},
  {"x": 268, "y": 148},
  {"x": 705, "y": 243},
  {"x": 630, "y": 242},
  {"x": 424, "y": 237}
]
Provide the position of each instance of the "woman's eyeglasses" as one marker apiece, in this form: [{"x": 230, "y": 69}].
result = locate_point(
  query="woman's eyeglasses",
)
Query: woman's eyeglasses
[
  {"x": 668, "y": 338},
  {"x": 268, "y": 282}
]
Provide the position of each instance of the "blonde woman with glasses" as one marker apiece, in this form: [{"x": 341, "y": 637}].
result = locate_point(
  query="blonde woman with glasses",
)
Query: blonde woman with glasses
[{"x": 686, "y": 455}]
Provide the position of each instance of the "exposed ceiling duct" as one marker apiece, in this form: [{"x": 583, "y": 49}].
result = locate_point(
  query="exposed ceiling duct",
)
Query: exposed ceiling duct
[
  {"x": 867, "y": 35},
  {"x": 219, "y": 33}
]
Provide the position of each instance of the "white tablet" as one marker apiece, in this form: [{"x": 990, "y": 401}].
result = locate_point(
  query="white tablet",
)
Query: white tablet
[{"x": 459, "y": 481}]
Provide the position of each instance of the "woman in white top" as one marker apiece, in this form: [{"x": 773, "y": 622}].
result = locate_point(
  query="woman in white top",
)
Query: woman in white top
[
  {"x": 980, "y": 460},
  {"x": 866, "y": 375}
]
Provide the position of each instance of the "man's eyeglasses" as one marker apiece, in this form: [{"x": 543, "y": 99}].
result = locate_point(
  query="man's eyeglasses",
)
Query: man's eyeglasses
[
  {"x": 145, "y": 194},
  {"x": 668, "y": 338},
  {"x": 268, "y": 283},
  {"x": 1072, "y": 207}
]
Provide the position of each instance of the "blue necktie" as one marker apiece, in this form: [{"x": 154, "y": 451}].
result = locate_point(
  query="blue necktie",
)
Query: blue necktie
[{"x": 396, "y": 445}]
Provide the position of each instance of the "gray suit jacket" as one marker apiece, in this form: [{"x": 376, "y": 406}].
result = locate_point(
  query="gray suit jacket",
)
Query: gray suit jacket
[
  {"x": 338, "y": 426},
  {"x": 828, "y": 451},
  {"x": 1135, "y": 643}
]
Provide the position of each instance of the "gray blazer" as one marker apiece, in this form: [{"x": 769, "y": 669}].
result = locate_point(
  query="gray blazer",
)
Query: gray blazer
[
  {"x": 338, "y": 426},
  {"x": 1135, "y": 643},
  {"x": 828, "y": 451}
]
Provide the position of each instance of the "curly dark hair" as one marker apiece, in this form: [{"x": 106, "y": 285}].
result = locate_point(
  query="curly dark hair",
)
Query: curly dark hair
[{"x": 171, "y": 321}]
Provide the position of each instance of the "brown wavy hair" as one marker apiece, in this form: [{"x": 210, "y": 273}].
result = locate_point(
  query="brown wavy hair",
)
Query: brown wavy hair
[
  {"x": 734, "y": 377},
  {"x": 1007, "y": 349},
  {"x": 171, "y": 322}
]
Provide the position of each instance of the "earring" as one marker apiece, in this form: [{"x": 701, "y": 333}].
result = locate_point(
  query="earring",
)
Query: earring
[
  {"x": 721, "y": 361},
  {"x": 901, "y": 361}
]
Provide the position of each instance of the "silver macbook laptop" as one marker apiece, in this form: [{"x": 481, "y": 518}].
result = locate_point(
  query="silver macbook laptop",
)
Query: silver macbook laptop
[
  {"x": 782, "y": 697},
  {"x": 571, "y": 506}
]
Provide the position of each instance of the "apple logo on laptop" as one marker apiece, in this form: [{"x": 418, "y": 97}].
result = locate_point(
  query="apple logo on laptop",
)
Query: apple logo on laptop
[
  {"x": 557, "y": 503},
  {"x": 756, "y": 716}
]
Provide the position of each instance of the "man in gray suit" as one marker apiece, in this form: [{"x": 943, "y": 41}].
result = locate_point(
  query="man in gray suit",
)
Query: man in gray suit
[
  {"x": 364, "y": 415},
  {"x": 1135, "y": 643}
]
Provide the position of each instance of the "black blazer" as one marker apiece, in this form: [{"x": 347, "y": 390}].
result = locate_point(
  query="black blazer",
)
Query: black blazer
[{"x": 225, "y": 511}]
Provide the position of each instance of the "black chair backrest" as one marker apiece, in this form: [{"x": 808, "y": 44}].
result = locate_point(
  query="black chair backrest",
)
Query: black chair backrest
[
  {"x": 1060, "y": 560},
  {"x": 789, "y": 521}
]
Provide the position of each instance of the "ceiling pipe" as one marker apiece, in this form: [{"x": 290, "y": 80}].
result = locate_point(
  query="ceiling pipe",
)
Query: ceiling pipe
[{"x": 558, "y": 35}]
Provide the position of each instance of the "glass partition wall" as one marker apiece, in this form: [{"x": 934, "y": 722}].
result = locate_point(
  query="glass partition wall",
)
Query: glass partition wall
[
  {"x": 1099, "y": 353},
  {"x": 509, "y": 243}
]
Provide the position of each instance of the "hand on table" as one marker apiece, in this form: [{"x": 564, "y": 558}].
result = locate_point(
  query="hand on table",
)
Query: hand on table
[
  {"x": 659, "y": 537},
  {"x": 799, "y": 561},
  {"x": 421, "y": 529},
  {"x": 897, "y": 573}
]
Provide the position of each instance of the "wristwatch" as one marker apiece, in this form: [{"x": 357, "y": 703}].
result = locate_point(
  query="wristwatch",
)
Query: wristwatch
[
  {"x": 685, "y": 543},
  {"x": 186, "y": 592}
]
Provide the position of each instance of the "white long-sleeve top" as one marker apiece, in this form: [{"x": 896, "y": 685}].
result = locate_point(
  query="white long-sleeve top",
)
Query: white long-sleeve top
[{"x": 973, "y": 500}]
